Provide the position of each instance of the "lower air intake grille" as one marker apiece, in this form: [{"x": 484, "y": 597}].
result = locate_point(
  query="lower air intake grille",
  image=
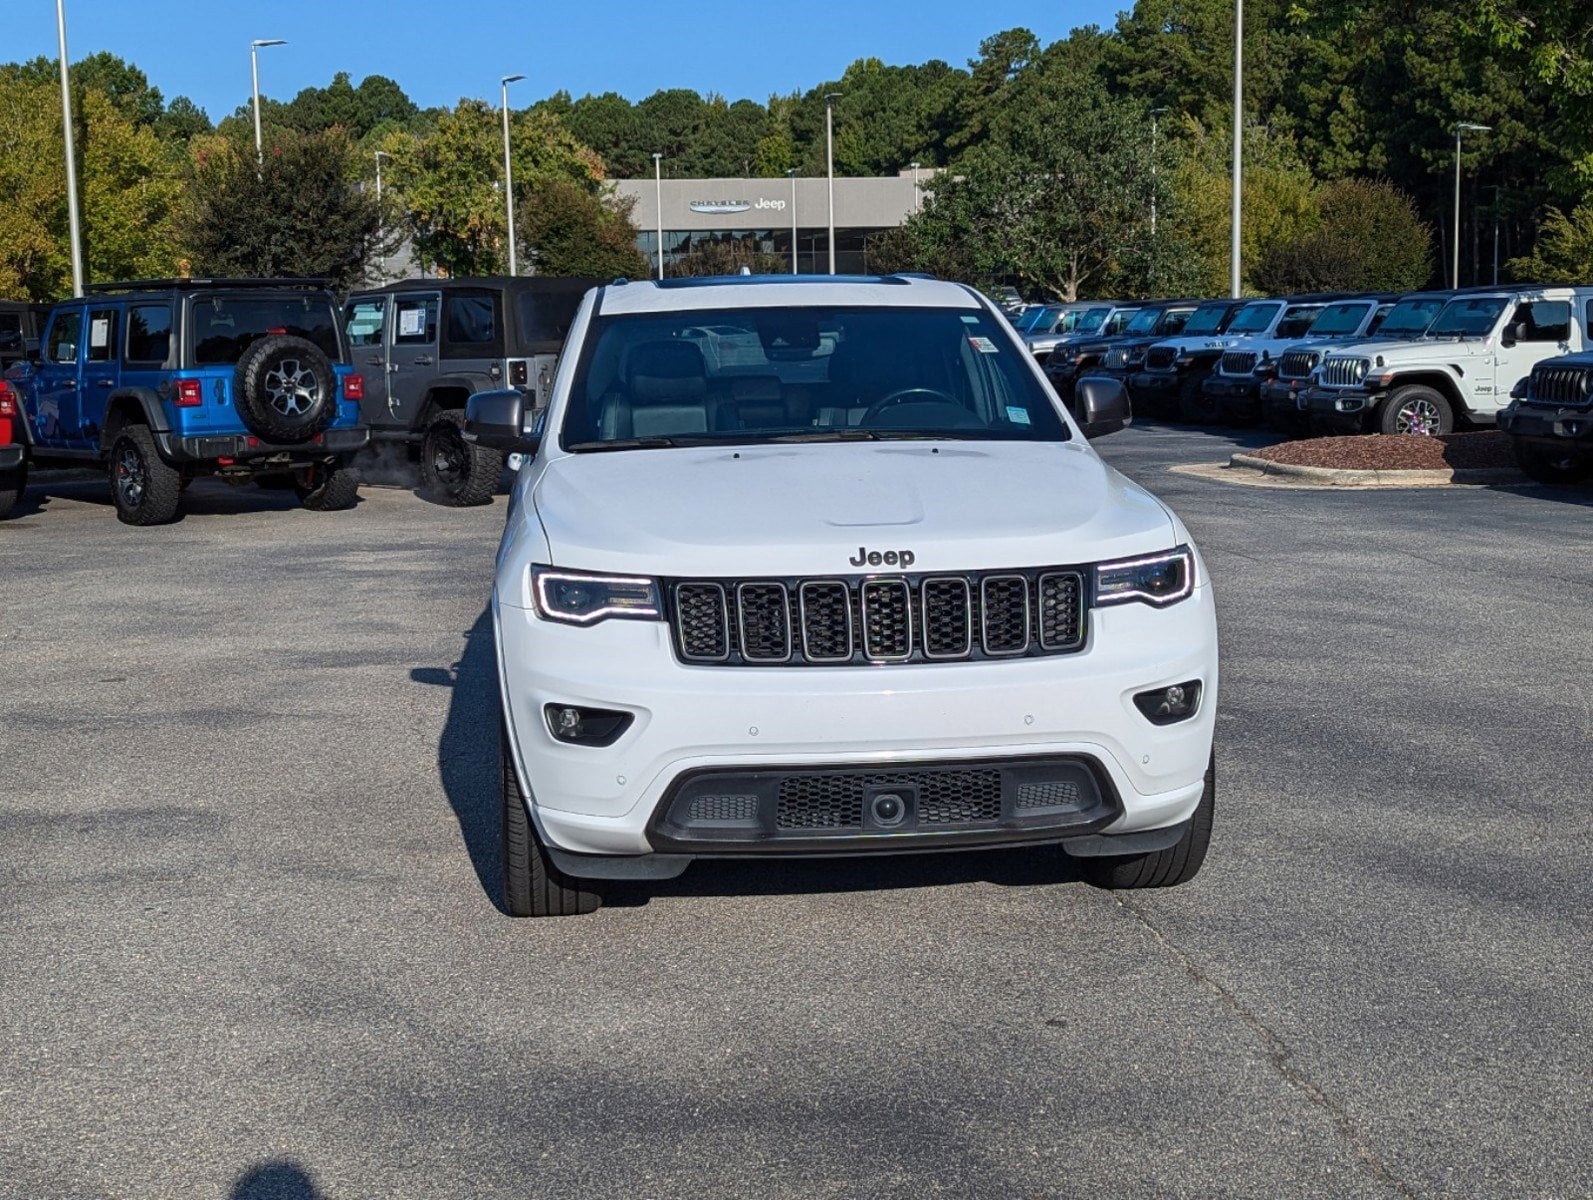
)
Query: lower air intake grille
[{"x": 821, "y": 802}]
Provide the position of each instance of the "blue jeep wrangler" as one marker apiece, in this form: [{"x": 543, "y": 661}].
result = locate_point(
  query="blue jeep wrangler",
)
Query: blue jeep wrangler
[{"x": 165, "y": 381}]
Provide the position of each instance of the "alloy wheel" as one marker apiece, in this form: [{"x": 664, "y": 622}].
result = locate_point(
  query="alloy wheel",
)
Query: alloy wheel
[
  {"x": 1419, "y": 416},
  {"x": 132, "y": 477},
  {"x": 291, "y": 388}
]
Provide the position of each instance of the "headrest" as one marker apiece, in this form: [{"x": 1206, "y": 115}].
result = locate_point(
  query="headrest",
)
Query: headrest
[
  {"x": 752, "y": 388},
  {"x": 661, "y": 372}
]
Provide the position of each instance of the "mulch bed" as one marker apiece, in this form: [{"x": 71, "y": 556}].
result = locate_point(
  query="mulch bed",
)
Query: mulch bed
[{"x": 1396, "y": 452}]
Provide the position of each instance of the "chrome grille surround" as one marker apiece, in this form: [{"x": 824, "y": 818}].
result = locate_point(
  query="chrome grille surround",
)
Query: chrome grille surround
[
  {"x": 877, "y": 620},
  {"x": 1570, "y": 387},
  {"x": 1297, "y": 364},
  {"x": 1116, "y": 359},
  {"x": 1344, "y": 372}
]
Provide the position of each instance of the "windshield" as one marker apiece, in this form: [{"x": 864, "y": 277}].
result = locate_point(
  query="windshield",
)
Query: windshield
[
  {"x": 1411, "y": 317},
  {"x": 806, "y": 373},
  {"x": 1338, "y": 319},
  {"x": 223, "y": 327},
  {"x": 1144, "y": 321},
  {"x": 1295, "y": 322},
  {"x": 1043, "y": 319},
  {"x": 1462, "y": 318},
  {"x": 1091, "y": 320},
  {"x": 1254, "y": 318},
  {"x": 1206, "y": 319}
]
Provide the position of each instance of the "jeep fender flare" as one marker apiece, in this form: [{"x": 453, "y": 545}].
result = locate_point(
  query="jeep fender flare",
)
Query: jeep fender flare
[
  {"x": 441, "y": 392},
  {"x": 1439, "y": 379},
  {"x": 133, "y": 406}
]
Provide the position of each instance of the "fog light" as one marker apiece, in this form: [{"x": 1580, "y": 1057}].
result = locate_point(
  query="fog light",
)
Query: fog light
[
  {"x": 577, "y": 726},
  {"x": 1165, "y": 706}
]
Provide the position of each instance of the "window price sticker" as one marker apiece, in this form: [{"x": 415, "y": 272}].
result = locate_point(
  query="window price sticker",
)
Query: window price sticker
[{"x": 984, "y": 345}]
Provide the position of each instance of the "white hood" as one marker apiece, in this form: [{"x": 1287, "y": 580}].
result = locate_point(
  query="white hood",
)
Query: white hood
[
  {"x": 809, "y": 509},
  {"x": 1424, "y": 350}
]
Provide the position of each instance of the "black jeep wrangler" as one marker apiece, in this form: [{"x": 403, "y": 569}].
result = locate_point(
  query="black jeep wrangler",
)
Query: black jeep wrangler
[{"x": 427, "y": 344}]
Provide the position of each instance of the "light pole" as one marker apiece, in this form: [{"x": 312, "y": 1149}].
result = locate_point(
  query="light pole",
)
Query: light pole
[
  {"x": 1460, "y": 127},
  {"x": 508, "y": 170},
  {"x": 254, "y": 72},
  {"x": 1238, "y": 142},
  {"x": 1155, "y": 112},
  {"x": 917, "y": 201},
  {"x": 791, "y": 174},
  {"x": 381, "y": 261},
  {"x": 71, "y": 157},
  {"x": 829, "y": 164},
  {"x": 658, "y": 203}
]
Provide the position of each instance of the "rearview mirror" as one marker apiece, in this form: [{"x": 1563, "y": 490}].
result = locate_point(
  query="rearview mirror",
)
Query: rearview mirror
[
  {"x": 496, "y": 420},
  {"x": 1103, "y": 405}
]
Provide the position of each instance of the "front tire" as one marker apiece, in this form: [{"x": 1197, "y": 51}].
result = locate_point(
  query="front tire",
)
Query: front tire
[
  {"x": 1195, "y": 406},
  {"x": 458, "y": 473},
  {"x": 1555, "y": 466},
  {"x": 145, "y": 488},
  {"x": 12, "y": 484},
  {"x": 1177, "y": 864},
  {"x": 532, "y": 885},
  {"x": 1418, "y": 410},
  {"x": 323, "y": 487}
]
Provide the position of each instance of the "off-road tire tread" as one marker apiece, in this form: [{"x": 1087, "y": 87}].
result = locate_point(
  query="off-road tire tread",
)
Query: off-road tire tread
[
  {"x": 162, "y": 495},
  {"x": 12, "y": 484},
  {"x": 532, "y": 886},
  {"x": 1160, "y": 868},
  {"x": 1194, "y": 406},
  {"x": 481, "y": 478},
  {"x": 249, "y": 389},
  {"x": 338, "y": 489}
]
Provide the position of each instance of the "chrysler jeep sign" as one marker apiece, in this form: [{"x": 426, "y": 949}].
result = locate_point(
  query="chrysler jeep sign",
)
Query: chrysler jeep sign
[{"x": 734, "y": 206}]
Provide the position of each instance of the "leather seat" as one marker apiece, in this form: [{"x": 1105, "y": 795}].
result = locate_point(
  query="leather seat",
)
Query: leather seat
[{"x": 666, "y": 393}]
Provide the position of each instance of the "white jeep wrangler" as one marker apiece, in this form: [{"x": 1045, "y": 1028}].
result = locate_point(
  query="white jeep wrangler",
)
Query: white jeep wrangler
[
  {"x": 871, "y": 593},
  {"x": 1482, "y": 344}
]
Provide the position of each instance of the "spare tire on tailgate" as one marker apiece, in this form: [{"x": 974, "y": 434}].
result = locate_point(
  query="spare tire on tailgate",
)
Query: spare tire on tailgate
[{"x": 285, "y": 389}]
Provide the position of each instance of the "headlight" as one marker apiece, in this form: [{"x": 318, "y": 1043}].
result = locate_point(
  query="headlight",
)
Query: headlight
[
  {"x": 577, "y": 598},
  {"x": 1158, "y": 579}
]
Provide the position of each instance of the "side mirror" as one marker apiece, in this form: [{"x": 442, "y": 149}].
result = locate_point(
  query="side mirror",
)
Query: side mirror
[
  {"x": 496, "y": 420},
  {"x": 1513, "y": 333},
  {"x": 1103, "y": 405}
]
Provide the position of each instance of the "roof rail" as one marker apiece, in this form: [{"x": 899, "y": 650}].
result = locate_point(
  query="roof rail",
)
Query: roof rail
[{"x": 155, "y": 285}]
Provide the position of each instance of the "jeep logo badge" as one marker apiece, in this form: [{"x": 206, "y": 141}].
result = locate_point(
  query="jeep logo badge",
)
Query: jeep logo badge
[{"x": 888, "y": 558}]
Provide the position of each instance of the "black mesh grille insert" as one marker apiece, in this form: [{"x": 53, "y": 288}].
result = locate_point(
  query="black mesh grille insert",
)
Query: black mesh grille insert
[
  {"x": 887, "y": 618},
  {"x": 1004, "y": 600},
  {"x": 821, "y": 802},
  {"x": 948, "y": 617},
  {"x": 1061, "y": 610},
  {"x": 724, "y": 808},
  {"x": 826, "y": 621},
  {"x": 1160, "y": 358},
  {"x": 958, "y": 797},
  {"x": 1047, "y": 794},
  {"x": 1238, "y": 362},
  {"x": 765, "y": 622},
  {"x": 701, "y": 621}
]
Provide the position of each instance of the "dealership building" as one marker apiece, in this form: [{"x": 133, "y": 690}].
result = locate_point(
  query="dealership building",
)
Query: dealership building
[{"x": 769, "y": 215}]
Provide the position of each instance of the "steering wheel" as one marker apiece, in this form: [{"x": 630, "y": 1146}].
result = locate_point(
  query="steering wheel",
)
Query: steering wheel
[{"x": 901, "y": 396}]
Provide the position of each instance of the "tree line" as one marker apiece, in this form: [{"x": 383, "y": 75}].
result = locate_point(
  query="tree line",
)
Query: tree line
[{"x": 1052, "y": 171}]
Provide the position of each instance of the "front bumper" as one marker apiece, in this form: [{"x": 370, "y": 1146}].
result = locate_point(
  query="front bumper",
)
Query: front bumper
[
  {"x": 243, "y": 448},
  {"x": 1240, "y": 397},
  {"x": 1342, "y": 408},
  {"x": 1548, "y": 426},
  {"x": 1153, "y": 382},
  {"x": 12, "y": 456},
  {"x": 687, "y": 720}
]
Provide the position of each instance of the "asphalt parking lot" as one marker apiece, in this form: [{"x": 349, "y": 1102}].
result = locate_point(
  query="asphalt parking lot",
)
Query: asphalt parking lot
[{"x": 250, "y": 947}]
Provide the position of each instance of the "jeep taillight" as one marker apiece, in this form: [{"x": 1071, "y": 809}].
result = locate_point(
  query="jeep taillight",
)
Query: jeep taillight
[
  {"x": 8, "y": 400},
  {"x": 190, "y": 393},
  {"x": 353, "y": 387},
  {"x": 519, "y": 372}
]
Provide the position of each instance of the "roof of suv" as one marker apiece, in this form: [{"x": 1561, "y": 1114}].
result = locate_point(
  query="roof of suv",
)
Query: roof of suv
[
  {"x": 775, "y": 291},
  {"x": 522, "y": 283}
]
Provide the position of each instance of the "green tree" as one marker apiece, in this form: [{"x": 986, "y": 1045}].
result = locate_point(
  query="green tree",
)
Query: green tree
[
  {"x": 569, "y": 231},
  {"x": 296, "y": 214},
  {"x": 1564, "y": 251},
  {"x": 1370, "y": 238}
]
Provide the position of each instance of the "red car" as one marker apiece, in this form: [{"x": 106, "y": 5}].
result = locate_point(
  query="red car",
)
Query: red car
[{"x": 13, "y": 454}]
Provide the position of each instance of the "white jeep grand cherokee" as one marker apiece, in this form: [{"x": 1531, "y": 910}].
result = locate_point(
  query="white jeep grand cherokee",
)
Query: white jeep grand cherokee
[{"x": 821, "y": 566}]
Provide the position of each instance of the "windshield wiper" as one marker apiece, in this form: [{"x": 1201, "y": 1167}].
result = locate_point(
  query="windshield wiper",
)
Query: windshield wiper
[
  {"x": 636, "y": 443},
  {"x": 852, "y": 433}
]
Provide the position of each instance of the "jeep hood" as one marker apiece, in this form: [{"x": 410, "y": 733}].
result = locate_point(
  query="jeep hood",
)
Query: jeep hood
[
  {"x": 1219, "y": 341},
  {"x": 808, "y": 509},
  {"x": 1422, "y": 350}
]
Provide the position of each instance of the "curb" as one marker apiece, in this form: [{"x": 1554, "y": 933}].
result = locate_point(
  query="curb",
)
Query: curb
[{"x": 1346, "y": 477}]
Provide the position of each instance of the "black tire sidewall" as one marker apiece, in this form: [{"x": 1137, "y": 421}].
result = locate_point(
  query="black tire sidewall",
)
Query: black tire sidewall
[
  {"x": 1388, "y": 417},
  {"x": 253, "y": 400},
  {"x": 482, "y": 467},
  {"x": 162, "y": 482}
]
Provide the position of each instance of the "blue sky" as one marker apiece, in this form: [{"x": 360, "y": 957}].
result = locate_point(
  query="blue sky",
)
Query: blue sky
[{"x": 444, "y": 49}]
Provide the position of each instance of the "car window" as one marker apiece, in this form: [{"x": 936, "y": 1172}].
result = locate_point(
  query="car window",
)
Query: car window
[
  {"x": 1411, "y": 317},
  {"x": 1336, "y": 320},
  {"x": 364, "y": 322},
  {"x": 102, "y": 335},
  {"x": 1469, "y": 317},
  {"x": 1546, "y": 321},
  {"x": 10, "y": 331},
  {"x": 1091, "y": 320},
  {"x": 224, "y": 326},
  {"x": 1173, "y": 321},
  {"x": 1145, "y": 321},
  {"x": 1118, "y": 321},
  {"x": 148, "y": 333},
  {"x": 1378, "y": 318},
  {"x": 805, "y": 372},
  {"x": 1295, "y": 322},
  {"x": 415, "y": 321},
  {"x": 547, "y": 314},
  {"x": 1207, "y": 319},
  {"x": 471, "y": 320},
  {"x": 61, "y": 345},
  {"x": 1254, "y": 318}
]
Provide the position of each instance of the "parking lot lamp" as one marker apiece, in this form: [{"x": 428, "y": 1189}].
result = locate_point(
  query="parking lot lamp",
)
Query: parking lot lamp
[
  {"x": 1238, "y": 143},
  {"x": 1460, "y": 128},
  {"x": 508, "y": 169},
  {"x": 381, "y": 262},
  {"x": 791, "y": 175},
  {"x": 1155, "y": 113},
  {"x": 829, "y": 164},
  {"x": 74, "y": 228},
  {"x": 658, "y": 203},
  {"x": 254, "y": 72}
]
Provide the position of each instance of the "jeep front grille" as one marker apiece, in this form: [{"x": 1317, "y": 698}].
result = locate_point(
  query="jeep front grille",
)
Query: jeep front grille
[
  {"x": 1238, "y": 362},
  {"x": 1298, "y": 364},
  {"x": 1116, "y": 359},
  {"x": 866, "y": 620},
  {"x": 1561, "y": 385},
  {"x": 1344, "y": 372},
  {"x": 1160, "y": 358}
]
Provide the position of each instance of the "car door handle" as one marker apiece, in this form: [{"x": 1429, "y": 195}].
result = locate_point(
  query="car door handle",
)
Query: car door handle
[
  {"x": 376, "y": 360},
  {"x": 105, "y": 383},
  {"x": 69, "y": 384},
  {"x": 422, "y": 360}
]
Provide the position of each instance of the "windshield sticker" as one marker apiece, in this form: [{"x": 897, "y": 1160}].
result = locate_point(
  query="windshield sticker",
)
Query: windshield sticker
[
  {"x": 984, "y": 345},
  {"x": 967, "y": 320},
  {"x": 100, "y": 332},
  {"x": 1017, "y": 414}
]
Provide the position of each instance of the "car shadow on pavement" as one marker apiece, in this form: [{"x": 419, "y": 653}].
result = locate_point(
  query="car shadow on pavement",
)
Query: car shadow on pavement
[
  {"x": 204, "y": 497},
  {"x": 467, "y": 760},
  {"x": 276, "y": 1180}
]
